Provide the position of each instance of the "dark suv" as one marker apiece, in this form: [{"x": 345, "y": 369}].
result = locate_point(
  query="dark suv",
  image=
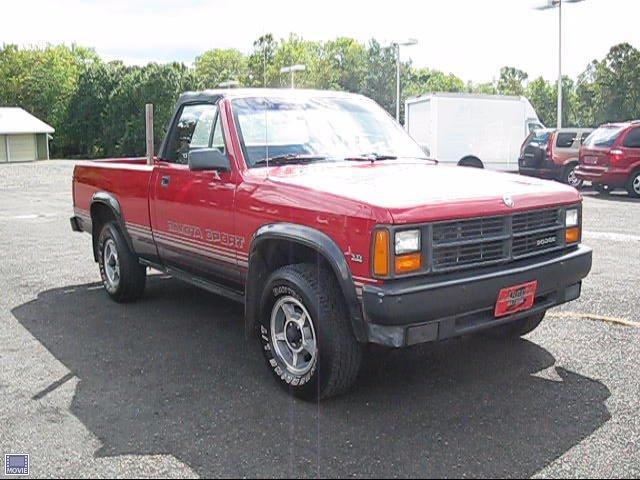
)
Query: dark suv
[
  {"x": 610, "y": 158},
  {"x": 553, "y": 154}
]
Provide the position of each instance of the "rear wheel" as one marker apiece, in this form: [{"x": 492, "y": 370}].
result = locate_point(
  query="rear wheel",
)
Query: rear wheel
[
  {"x": 569, "y": 176},
  {"x": 122, "y": 276},
  {"x": 518, "y": 328},
  {"x": 306, "y": 333},
  {"x": 473, "y": 162},
  {"x": 633, "y": 186}
]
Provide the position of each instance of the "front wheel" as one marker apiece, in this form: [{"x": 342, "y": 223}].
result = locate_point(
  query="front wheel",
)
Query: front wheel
[
  {"x": 122, "y": 276},
  {"x": 633, "y": 186},
  {"x": 306, "y": 335},
  {"x": 518, "y": 328}
]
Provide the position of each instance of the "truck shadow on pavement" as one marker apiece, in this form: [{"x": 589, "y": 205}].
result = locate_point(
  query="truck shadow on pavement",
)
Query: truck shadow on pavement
[{"x": 173, "y": 374}]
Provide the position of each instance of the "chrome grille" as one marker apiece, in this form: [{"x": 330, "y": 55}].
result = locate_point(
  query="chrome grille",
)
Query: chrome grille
[{"x": 461, "y": 244}]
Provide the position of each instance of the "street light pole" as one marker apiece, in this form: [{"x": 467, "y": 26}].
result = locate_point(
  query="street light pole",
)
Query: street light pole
[
  {"x": 559, "y": 64},
  {"x": 553, "y": 4},
  {"x": 291, "y": 69},
  {"x": 411, "y": 41},
  {"x": 398, "y": 82}
]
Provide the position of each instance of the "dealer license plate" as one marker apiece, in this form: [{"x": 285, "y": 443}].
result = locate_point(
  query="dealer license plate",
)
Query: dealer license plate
[{"x": 516, "y": 299}]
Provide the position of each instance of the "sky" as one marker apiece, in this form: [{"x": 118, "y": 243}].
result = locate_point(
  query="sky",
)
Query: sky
[{"x": 471, "y": 38}]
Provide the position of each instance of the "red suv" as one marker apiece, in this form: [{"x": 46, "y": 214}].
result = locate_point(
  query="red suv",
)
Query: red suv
[{"x": 610, "y": 158}]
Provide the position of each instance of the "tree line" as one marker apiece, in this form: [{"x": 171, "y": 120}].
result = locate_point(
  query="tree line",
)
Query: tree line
[{"x": 97, "y": 107}]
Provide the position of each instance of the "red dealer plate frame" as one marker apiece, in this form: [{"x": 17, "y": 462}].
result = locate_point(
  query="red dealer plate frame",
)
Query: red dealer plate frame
[{"x": 516, "y": 299}]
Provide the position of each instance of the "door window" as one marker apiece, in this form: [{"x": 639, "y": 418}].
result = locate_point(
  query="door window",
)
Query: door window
[
  {"x": 566, "y": 139},
  {"x": 218, "y": 138},
  {"x": 192, "y": 131},
  {"x": 632, "y": 140}
]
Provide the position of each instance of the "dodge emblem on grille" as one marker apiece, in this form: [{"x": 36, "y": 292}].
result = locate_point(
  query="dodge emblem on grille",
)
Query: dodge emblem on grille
[{"x": 508, "y": 201}]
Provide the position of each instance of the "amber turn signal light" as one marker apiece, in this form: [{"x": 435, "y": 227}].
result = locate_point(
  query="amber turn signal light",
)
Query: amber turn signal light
[
  {"x": 381, "y": 253},
  {"x": 572, "y": 235},
  {"x": 408, "y": 263}
]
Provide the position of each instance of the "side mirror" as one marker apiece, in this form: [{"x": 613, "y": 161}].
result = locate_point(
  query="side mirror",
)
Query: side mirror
[{"x": 208, "y": 159}]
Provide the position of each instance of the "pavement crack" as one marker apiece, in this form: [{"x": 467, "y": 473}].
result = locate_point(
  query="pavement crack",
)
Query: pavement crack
[
  {"x": 597, "y": 318},
  {"x": 58, "y": 383}
]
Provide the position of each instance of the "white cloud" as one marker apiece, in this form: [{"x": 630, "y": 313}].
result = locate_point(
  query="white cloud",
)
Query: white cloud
[{"x": 472, "y": 38}]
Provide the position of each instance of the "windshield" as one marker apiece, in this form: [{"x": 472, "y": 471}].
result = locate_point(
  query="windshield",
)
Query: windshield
[
  {"x": 320, "y": 129},
  {"x": 604, "y": 136}
]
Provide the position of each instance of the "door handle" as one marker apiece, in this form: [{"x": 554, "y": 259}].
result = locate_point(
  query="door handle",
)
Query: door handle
[{"x": 164, "y": 181}]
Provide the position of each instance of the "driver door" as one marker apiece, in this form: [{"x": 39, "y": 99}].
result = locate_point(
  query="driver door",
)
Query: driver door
[{"x": 192, "y": 212}]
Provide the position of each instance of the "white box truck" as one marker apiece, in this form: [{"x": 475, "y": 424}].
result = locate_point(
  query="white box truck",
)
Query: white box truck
[{"x": 483, "y": 131}]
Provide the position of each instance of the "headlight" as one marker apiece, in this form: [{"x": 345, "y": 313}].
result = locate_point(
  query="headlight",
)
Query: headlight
[
  {"x": 407, "y": 241},
  {"x": 571, "y": 219}
]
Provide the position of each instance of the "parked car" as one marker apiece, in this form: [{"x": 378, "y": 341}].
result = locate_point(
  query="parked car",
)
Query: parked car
[
  {"x": 324, "y": 218},
  {"x": 553, "y": 154},
  {"x": 610, "y": 158},
  {"x": 471, "y": 130}
]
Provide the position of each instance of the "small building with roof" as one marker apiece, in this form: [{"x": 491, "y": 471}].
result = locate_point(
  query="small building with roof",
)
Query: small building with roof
[{"x": 23, "y": 137}]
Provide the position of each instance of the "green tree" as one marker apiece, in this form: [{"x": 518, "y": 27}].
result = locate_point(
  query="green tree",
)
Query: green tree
[
  {"x": 124, "y": 117},
  {"x": 260, "y": 62},
  {"x": 380, "y": 77},
  {"x": 85, "y": 115},
  {"x": 42, "y": 81},
  {"x": 511, "y": 81},
  {"x": 220, "y": 65}
]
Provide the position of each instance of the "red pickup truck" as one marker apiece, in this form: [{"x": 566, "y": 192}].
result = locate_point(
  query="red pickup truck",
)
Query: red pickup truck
[{"x": 325, "y": 219}]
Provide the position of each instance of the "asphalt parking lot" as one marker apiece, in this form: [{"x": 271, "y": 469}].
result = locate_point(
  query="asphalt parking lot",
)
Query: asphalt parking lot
[{"x": 170, "y": 387}]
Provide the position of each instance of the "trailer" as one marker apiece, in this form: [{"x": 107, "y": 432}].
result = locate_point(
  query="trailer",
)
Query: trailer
[{"x": 484, "y": 131}]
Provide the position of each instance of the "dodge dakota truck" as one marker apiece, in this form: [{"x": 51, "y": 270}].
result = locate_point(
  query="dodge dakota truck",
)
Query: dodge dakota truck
[{"x": 320, "y": 214}]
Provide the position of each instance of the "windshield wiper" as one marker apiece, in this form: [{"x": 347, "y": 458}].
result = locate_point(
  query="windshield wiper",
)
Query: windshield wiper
[
  {"x": 290, "y": 158},
  {"x": 370, "y": 157}
]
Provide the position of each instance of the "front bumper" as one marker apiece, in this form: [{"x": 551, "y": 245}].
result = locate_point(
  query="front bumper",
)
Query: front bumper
[{"x": 416, "y": 311}]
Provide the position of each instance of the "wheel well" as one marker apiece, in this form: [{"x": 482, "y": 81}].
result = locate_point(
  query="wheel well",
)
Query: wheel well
[
  {"x": 100, "y": 215},
  {"x": 268, "y": 257},
  {"x": 471, "y": 161}
]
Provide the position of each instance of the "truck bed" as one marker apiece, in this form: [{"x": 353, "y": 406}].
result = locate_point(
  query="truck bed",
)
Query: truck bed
[{"x": 127, "y": 179}]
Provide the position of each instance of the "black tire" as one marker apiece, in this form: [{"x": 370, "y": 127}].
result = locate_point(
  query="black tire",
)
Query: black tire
[
  {"x": 472, "y": 162},
  {"x": 633, "y": 185},
  {"x": 518, "y": 328},
  {"x": 131, "y": 275},
  {"x": 338, "y": 354},
  {"x": 601, "y": 188},
  {"x": 569, "y": 178}
]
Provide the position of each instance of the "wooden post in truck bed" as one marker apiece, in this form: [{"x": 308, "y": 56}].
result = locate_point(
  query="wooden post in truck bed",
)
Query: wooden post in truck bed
[{"x": 149, "y": 125}]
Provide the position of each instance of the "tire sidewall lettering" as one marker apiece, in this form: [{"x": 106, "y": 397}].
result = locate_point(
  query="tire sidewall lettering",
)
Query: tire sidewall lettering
[{"x": 278, "y": 290}]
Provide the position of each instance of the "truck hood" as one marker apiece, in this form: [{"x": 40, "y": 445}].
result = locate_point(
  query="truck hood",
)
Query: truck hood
[{"x": 417, "y": 191}]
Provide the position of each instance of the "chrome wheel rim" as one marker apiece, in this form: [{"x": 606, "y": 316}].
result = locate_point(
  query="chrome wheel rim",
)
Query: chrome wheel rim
[
  {"x": 636, "y": 184},
  {"x": 293, "y": 335},
  {"x": 111, "y": 264},
  {"x": 572, "y": 179}
]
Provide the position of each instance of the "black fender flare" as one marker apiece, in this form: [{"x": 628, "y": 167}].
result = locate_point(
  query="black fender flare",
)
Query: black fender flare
[
  {"x": 111, "y": 202},
  {"x": 316, "y": 240}
]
